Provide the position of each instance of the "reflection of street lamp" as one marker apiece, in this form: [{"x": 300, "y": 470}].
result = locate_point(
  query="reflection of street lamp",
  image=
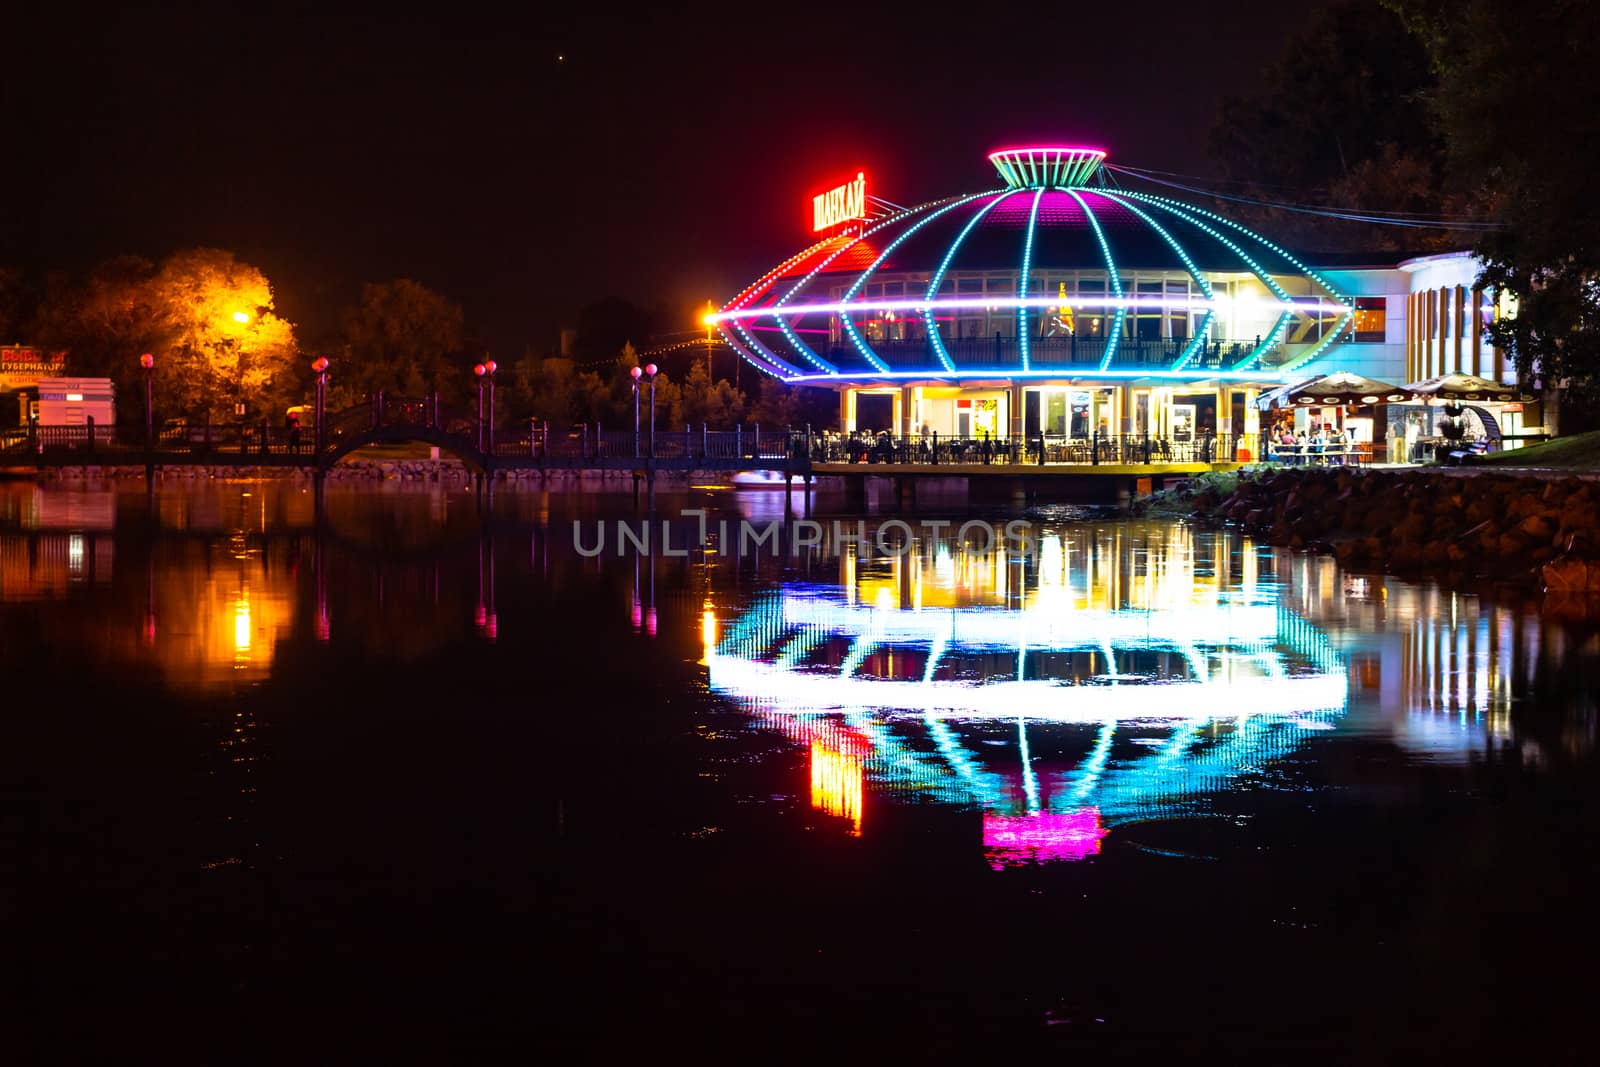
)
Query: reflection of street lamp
[{"x": 148, "y": 362}]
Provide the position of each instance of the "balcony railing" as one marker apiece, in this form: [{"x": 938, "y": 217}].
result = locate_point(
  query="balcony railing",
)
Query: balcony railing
[{"x": 1050, "y": 353}]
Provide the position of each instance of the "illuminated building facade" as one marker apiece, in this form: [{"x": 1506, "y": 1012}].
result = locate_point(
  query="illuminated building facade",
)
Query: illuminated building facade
[{"x": 1062, "y": 305}]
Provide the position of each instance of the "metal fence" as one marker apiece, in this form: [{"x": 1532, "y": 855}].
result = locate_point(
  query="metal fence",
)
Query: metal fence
[{"x": 934, "y": 449}]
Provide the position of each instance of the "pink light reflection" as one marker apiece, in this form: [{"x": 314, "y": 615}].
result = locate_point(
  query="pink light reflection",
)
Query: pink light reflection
[{"x": 1043, "y": 837}]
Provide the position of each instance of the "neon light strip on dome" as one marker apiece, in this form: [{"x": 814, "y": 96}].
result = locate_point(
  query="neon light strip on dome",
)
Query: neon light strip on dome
[
  {"x": 1338, "y": 328},
  {"x": 1258, "y": 375},
  {"x": 1205, "y": 327},
  {"x": 781, "y": 367},
  {"x": 799, "y": 345},
  {"x": 1046, "y": 165},
  {"x": 1111, "y": 273},
  {"x": 1022, "y": 281},
  {"x": 938, "y": 279},
  {"x": 849, "y": 327},
  {"x": 1181, "y": 210},
  {"x": 1283, "y": 319},
  {"x": 1131, "y": 303}
]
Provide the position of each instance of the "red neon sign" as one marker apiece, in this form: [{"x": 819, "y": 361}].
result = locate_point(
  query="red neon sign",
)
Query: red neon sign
[{"x": 844, "y": 203}]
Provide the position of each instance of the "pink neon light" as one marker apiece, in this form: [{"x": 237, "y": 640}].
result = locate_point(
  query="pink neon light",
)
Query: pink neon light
[
  {"x": 1043, "y": 837},
  {"x": 1101, "y": 152},
  {"x": 1074, "y": 300}
]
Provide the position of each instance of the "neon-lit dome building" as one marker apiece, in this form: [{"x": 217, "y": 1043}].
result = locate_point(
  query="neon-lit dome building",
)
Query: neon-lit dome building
[{"x": 1058, "y": 303}]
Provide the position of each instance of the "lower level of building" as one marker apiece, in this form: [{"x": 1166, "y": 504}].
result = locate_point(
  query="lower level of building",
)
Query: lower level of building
[{"x": 1053, "y": 409}]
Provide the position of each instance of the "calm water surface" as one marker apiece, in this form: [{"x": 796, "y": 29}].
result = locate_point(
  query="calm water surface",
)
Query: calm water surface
[{"x": 420, "y": 779}]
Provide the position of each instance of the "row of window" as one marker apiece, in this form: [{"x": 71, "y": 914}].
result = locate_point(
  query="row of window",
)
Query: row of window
[{"x": 1368, "y": 325}]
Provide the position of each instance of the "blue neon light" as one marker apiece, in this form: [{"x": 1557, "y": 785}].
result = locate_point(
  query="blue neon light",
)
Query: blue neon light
[
  {"x": 938, "y": 279},
  {"x": 849, "y": 327},
  {"x": 1111, "y": 274},
  {"x": 1211, "y": 313},
  {"x": 1350, "y": 308},
  {"x": 1022, "y": 280}
]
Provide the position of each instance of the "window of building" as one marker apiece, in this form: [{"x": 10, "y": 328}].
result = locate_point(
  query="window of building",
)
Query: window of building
[{"x": 1369, "y": 325}]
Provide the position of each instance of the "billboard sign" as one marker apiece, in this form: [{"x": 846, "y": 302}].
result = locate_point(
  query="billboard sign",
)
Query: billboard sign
[{"x": 21, "y": 366}]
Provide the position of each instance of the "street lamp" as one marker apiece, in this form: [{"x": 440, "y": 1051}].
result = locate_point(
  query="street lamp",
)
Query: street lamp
[
  {"x": 637, "y": 373},
  {"x": 148, "y": 362},
  {"x": 489, "y": 365},
  {"x": 485, "y": 370},
  {"x": 650, "y": 369}
]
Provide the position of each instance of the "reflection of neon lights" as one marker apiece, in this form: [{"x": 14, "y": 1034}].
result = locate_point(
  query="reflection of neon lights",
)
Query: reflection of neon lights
[
  {"x": 1049, "y": 631},
  {"x": 836, "y": 783},
  {"x": 1041, "y": 837},
  {"x": 1045, "y": 701}
]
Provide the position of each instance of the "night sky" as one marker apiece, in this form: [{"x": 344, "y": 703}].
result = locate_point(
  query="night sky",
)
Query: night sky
[{"x": 667, "y": 158}]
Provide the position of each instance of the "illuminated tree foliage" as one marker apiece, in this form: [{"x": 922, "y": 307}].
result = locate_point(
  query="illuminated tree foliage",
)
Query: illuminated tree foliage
[
  {"x": 206, "y": 317},
  {"x": 222, "y": 343}
]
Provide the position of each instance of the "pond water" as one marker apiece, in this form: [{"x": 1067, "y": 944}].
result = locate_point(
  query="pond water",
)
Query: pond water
[{"x": 411, "y": 770}]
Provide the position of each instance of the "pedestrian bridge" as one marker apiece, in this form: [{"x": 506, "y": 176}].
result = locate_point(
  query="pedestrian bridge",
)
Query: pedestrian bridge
[{"x": 397, "y": 420}]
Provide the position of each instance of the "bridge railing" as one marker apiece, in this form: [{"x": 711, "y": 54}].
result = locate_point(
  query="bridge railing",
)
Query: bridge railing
[{"x": 749, "y": 444}]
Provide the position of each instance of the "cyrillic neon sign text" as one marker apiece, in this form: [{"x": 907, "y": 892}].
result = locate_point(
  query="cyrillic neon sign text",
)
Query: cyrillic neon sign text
[{"x": 843, "y": 204}]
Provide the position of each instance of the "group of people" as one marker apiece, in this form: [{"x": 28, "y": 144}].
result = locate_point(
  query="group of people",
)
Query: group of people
[{"x": 1323, "y": 439}]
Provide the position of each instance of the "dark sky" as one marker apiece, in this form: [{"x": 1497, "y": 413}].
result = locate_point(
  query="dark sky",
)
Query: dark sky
[{"x": 668, "y": 159}]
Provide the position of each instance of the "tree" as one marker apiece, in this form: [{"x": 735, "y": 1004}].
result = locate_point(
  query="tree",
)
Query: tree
[
  {"x": 404, "y": 338},
  {"x": 1517, "y": 97},
  {"x": 713, "y": 403},
  {"x": 207, "y": 318},
  {"x": 223, "y": 344},
  {"x": 545, "y": 388},
  {"x": 1341, "y": 121}
]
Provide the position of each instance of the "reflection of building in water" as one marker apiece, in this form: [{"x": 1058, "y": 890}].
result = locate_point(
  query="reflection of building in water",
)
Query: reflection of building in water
[
  {"x": 1104, "y": 677},
  {"x": 1440, "y": 665},
  {"x": 46, "y": 565}
]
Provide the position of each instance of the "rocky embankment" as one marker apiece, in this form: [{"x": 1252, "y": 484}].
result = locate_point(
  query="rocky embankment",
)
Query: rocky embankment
[{"x": 1542, "y": 530}]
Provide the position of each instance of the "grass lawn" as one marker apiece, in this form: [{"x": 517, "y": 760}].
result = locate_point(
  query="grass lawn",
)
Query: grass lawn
[
  {"x": 394, "y": 452},
  {"x": 1581, "y": 451}
]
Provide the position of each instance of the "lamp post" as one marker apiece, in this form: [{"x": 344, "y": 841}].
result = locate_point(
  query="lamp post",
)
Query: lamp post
[
  {"x": 479, "y": 370},
  {"x": 489, "y": 368},
  {"x": 637, "y": 372},
  {"x": 148, "y": 362},
  {"x": 650, "y": 369},
  {"x": 320, "y": 367}
]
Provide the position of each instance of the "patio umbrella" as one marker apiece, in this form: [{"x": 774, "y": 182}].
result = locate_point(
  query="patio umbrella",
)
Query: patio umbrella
[
  {"x": 1338, "y": 388},
  {"x": 1457, "y": 387}
]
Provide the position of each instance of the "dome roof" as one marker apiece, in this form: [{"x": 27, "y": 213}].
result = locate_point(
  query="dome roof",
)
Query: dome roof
[{"x": 1055, "y": 213}]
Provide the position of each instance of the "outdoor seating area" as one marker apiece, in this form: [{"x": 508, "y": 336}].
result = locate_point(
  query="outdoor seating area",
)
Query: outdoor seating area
[{"x": 1302, "y": 454}]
